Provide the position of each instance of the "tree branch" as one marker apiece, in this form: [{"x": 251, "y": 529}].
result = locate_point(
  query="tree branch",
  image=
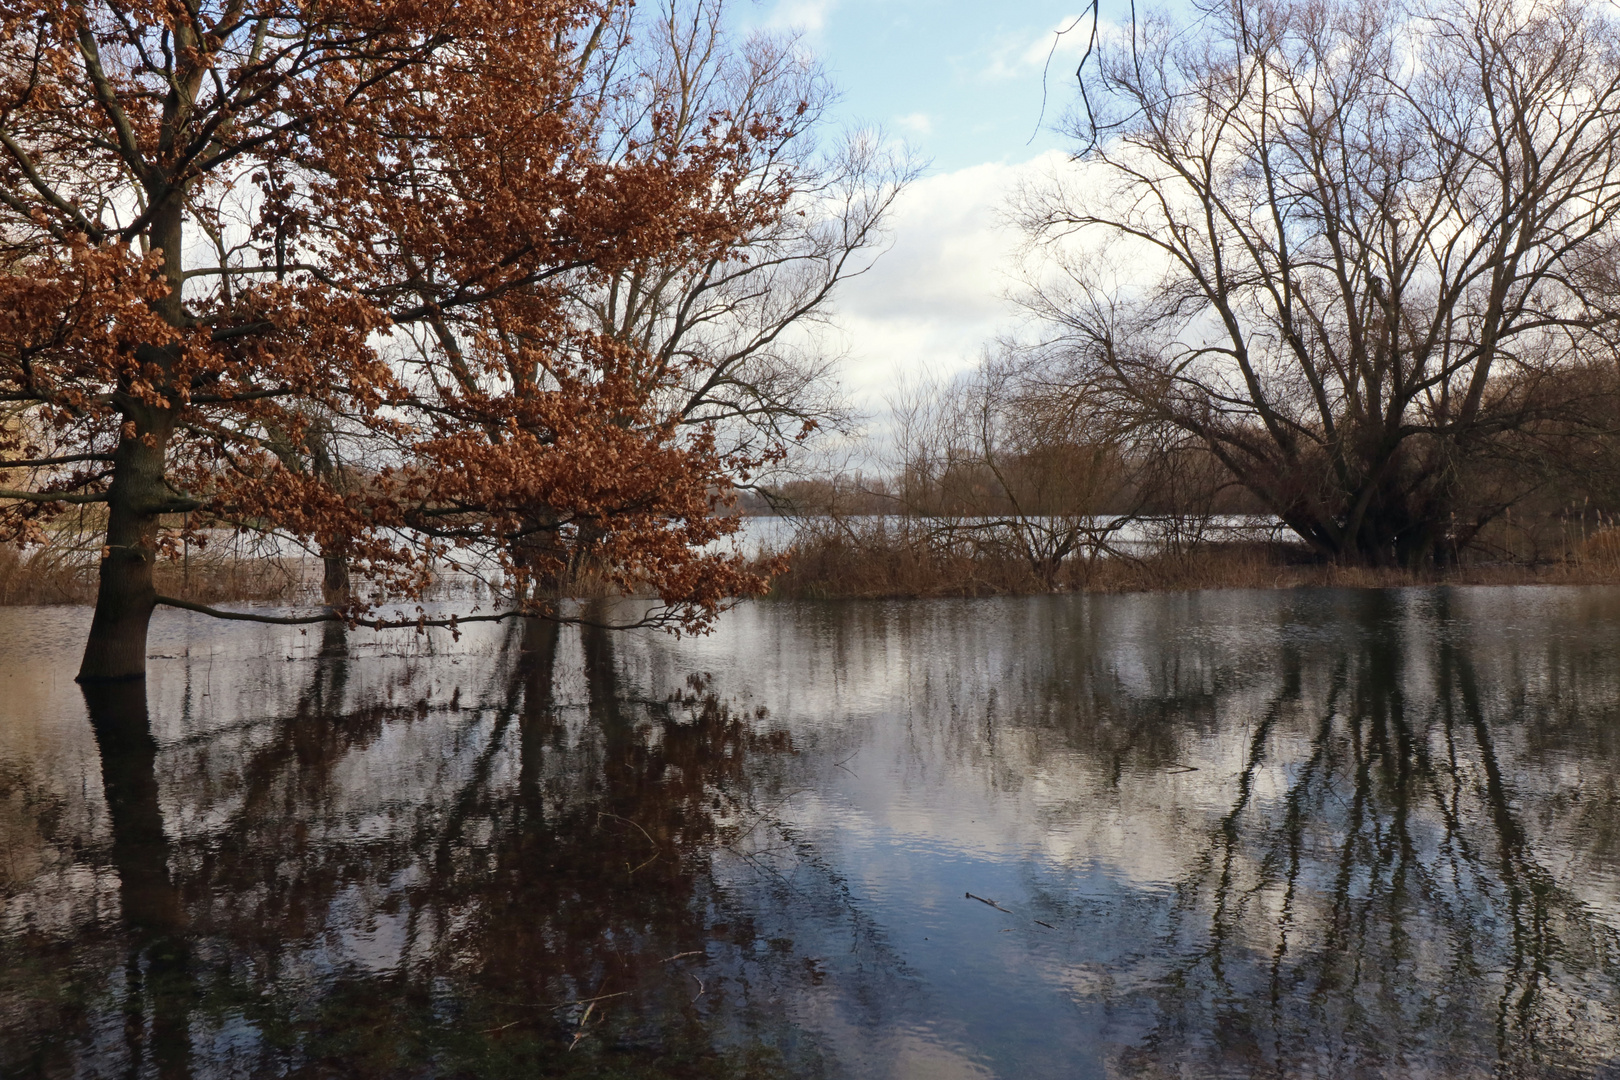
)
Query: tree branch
[{"x": 50, "y": 497}]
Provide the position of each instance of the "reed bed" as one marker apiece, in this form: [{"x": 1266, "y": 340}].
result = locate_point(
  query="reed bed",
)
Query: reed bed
[
  {"x": 879, "y": 562},
  {"x": 896, "y": 563},
  {"x": 51, "y": 575}
]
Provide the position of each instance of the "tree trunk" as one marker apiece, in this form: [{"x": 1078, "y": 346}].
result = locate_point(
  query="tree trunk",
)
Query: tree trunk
[
  {"x": 335, "y": 591},
  {"x": 125, "y": 595},
  {"x": 139, "y": 492}
]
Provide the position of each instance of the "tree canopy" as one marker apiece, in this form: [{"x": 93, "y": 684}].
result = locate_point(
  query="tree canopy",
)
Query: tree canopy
[
  {"x": 1350, "y": 248},
  {"x": 314, "y": 269}
]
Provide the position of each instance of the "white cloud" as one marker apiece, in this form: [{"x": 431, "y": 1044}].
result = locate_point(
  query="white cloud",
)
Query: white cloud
[
  {"x": 940, "y": 294},
  {"x": 1019, "y": 57},
  {"x": 809, "y": 16},
  {"x": 918, "y": 123}
]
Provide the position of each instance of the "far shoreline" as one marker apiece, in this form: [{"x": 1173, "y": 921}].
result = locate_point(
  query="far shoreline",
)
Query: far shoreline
[{"x": 877, "y": 572}]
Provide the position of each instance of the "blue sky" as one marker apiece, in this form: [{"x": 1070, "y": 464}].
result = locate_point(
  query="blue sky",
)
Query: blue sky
[
  {"x": 961, "y": 84},
  {"x": 959, "y": 81}
]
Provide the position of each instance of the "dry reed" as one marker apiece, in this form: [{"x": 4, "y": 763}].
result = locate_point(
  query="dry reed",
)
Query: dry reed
[
  {"x": 886, "y": 561},
  {"x": 52, "y": 575},
  {"x": 893, "y": 562}
]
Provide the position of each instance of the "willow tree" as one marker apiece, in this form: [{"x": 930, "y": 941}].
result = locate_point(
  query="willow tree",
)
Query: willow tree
[
  {"x": 1341, "y": 244},
  {"x": 217, "y": 216}
]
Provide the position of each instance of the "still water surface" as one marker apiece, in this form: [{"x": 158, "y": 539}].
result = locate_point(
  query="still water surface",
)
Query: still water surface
[{"x": 1293, "y": 833}]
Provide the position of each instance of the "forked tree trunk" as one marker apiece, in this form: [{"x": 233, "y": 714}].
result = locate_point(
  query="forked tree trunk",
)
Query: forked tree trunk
[{"x": 126, "y": 595}]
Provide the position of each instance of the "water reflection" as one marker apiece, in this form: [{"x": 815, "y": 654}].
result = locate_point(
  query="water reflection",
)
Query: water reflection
[
  {"x": 1371, "y": 903},
  {"x": 159, "y": 986},
  {"x": 1239, "y": 834},
  {"x": 365, "y": 882}
]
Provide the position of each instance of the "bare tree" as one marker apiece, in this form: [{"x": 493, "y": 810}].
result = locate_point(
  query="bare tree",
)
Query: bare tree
[
  {"x": 995, "y": 463},
  {"x": 737, "y": 342},
  {"x": 1341, "y": 243}
]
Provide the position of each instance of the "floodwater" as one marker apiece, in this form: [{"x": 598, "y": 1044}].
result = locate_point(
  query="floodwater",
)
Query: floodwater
[{"x": 1290, "y": 833}]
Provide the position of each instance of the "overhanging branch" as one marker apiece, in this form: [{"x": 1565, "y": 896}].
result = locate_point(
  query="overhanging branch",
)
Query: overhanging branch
[
  {"x": 52, "y": 497},
  {"x": 451, "y": 623}
]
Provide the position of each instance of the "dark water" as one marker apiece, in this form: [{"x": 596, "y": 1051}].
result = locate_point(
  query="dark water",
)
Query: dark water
[{"x": 1306, "y": 833}]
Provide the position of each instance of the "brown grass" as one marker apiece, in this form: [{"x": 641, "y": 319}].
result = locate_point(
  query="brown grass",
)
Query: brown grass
[
  {"x": 1603, "y": 551},
  {"x": 889, "y": 564},
  {"x": 51, "y": 575},
  {"x": 875, "y": 563}
]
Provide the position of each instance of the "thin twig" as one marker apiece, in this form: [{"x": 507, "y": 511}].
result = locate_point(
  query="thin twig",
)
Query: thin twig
[
  {"x": 562, "y": 1004},
  {"x": 650, "y": 840}
]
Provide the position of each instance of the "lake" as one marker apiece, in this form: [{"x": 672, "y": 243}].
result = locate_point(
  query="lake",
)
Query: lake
[{"x": 1286, "y": 833}]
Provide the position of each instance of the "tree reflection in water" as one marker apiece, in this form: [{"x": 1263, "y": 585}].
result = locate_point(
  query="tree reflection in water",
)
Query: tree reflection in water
[
  {"x": 531, "y": 896},
  {"x": 1333, "y": 834},
  {"x": 1379, "y": 911}
]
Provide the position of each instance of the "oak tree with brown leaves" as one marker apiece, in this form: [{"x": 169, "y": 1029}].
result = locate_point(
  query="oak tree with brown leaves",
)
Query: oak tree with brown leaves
[{"x": 239, "y": 234}]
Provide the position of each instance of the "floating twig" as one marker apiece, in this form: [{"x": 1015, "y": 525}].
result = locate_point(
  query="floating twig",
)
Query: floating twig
[
  {"x": 503, "y": 1027},
  {"x": 644, "y": 832},
  {"x": 554, "y": 1005},
  {"x": 582, "y": 1032},
  {"x": 1014, "y": 914}
]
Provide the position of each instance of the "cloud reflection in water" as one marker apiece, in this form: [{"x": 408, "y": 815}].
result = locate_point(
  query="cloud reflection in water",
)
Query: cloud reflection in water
[{"x": 1291, "y": 833}]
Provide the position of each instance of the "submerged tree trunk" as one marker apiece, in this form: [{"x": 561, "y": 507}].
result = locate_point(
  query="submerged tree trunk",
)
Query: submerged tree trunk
[
  {"x": 335, "y": 590},
  {"x": 126, "y": 595},
  {"x": 139, "y": 492}
]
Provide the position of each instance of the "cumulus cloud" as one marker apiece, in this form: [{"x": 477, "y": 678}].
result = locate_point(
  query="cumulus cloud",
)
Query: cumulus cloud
[
  {"x": 809, "y": 16},
  {"x": 940, "y": 294},
  {"x": 917, "y": 123}
]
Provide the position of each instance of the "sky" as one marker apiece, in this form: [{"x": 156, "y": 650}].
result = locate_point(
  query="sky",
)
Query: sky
[{"x": 961, "y": 84}]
